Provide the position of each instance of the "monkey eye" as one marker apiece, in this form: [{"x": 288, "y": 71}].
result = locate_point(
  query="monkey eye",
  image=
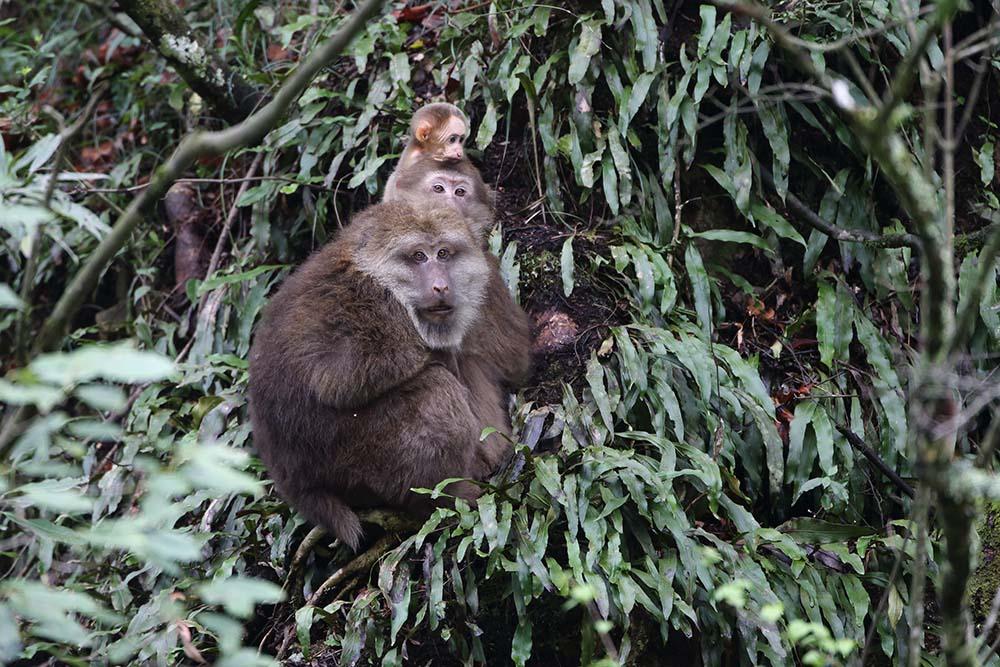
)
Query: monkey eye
[
  {"x": 419, "y": 257},
  {"x": 459, "y": 192},
  {"x": 443, "y": 254},
  {"x": 453, "y": 138},
  {"x": 438, "y": 187}
]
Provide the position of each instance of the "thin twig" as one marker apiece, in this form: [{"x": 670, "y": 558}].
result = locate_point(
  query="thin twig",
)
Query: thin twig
[
  {"x": 883, "y": 600},
  {"x": 950, "y": 426},
  {"x": 220, "y": 244},
  {"x": 678, "y": 210},
  {"x": 859, "y": 76},
  {"x": 533, "y": 128},
  {"x": 309, "y": 542},
  {"x": 355, "y": 566},
  {"x": 876, "y": 460},
  {"x": 862, "y": 236},
  {"x": 991, "y": 618},
  {"x": 930, "y": 87},
  {"x": 606, "y": 641},
  {"x": 314, "y": 13},
  {"x": 223, "y": 181},
  {"x": 112, "y": 17},
  {"x": 905, "y": 73},
  {"x": 66, "y": 135},
  {"x": 989, "y": 445},
  {"x": 948, "y": 145},
  {"x": 14, "y": 424},
  {"x": 982, "y": 68},
  {"x": 988, "y": 653}
]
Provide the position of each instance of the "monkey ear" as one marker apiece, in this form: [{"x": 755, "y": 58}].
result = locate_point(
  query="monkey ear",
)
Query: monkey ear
[{"x": 422, "y": 132}]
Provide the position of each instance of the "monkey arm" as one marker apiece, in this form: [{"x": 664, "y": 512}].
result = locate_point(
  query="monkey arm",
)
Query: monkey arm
[
  {"x": 359, "y": 345},
  {"x": 350, "y": 375},
  {"x": 502, "y": 336}
]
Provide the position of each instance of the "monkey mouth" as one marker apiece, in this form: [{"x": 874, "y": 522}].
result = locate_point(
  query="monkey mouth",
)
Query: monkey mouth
[{"x": 438, "y": 312}]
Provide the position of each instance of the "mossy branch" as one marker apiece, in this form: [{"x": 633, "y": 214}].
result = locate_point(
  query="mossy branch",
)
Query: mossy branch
[
  {"x": 196, "y": 145},
  {"x": 163, "y": 23}
]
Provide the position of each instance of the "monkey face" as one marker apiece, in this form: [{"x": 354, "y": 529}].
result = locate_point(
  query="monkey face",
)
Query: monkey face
[
  {"x": 434, "y": 293},
  {"x": 437, "y": 273},
  {"x": 450, "y": 188},
  {"x": 441, "y": 280},
  {"x": 452, "y": 140}
]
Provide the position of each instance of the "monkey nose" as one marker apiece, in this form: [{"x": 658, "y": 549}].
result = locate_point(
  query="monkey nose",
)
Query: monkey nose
[{"x": 440, "y": 288}]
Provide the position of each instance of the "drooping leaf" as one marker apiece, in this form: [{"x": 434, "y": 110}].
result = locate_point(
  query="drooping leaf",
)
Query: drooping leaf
[
  {"x": 772, "y": 220},
  {"x": 700, "y": 289},
  {"x": 239, "y": 595},
  {"x": 566, "y": 263},
  {"x": 588, "y": 44}
]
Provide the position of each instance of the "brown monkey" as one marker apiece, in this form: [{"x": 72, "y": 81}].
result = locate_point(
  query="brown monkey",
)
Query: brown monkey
[
  {"x": 438, "y": 132},
  {"x": 458, "y": 185},
  {"x": 364, "y": 380}
]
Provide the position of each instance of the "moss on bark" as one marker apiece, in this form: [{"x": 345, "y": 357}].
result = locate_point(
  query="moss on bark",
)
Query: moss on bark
[
  {"x": 164, "y": 25},
  {"x": 985, "y": 581}
]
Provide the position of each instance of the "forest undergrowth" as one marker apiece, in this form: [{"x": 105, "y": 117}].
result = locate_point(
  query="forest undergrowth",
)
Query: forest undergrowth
[{"x": 717, "y": 449}]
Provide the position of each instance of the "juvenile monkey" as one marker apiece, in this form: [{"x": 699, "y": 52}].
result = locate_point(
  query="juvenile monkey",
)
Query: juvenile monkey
[
  {"x": 364, "y": 378},
  {"x": 458, "y": 185},
  {"x": 437, "y": 132}
]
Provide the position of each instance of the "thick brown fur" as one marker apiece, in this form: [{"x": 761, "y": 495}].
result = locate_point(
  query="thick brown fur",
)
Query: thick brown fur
[
  {"x": 351, "y": 408},
  {"x": 431, "y": 128}
]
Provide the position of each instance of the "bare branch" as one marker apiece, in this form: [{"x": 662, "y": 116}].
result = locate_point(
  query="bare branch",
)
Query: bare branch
[
  {"x": 355, "y": 566},
  {"x": 862, "y": 236},
  {"x": 875, "y": 460}
]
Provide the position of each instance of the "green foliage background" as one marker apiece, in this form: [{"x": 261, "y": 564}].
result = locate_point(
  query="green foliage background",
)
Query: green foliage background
[{"x": 701, "y": 497}]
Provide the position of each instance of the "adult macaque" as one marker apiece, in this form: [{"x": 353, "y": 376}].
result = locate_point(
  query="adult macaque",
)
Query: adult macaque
[
  {"x": 459, "y": 185},
  {"x": 437, "y": 132},
  {"x": 371, "y": 372}
]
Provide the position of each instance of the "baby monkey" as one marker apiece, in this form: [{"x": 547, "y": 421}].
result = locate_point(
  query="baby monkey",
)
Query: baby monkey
[{"x": 437, "y": 131}]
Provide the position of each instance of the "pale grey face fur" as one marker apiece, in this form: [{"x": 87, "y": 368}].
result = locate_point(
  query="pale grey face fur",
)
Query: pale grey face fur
[{"x": 464, "y": 271}]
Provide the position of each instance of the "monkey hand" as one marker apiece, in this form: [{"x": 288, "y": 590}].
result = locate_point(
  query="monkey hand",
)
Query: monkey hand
[{"x": 490, "y": 456}]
